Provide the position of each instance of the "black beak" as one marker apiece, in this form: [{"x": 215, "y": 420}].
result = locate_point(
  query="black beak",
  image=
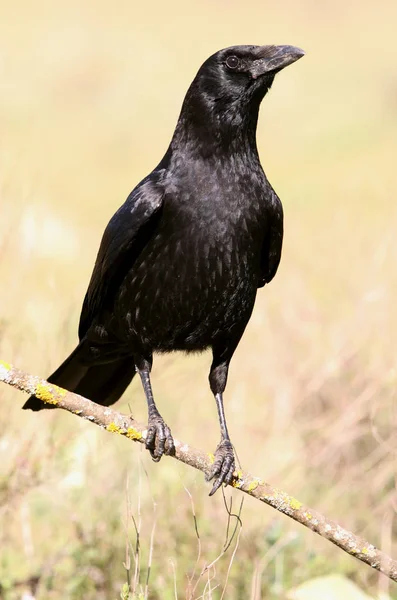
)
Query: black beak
[{"x": 274, "y": 58}]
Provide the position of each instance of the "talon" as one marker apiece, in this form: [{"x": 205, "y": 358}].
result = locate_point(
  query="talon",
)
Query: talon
[
  {"x": 159, "y": 440},
  {"x": 169, "y": 444},
  {"x": 223, "y": 468}
]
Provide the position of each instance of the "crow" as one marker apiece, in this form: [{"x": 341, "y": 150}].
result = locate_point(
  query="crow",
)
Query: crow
[{"x": 180, "y": 262}]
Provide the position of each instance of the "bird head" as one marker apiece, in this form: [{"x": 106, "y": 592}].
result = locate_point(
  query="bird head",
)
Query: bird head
[
  {"x": 244, "y": 72},
  {"x": 230, "y": 86}
]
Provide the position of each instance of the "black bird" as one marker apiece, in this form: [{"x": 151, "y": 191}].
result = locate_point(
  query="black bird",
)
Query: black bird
[{"x": 180, "y": 262}]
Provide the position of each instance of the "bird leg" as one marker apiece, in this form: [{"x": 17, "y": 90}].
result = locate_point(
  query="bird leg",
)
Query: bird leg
[
  {"x": 224, "y": 464},
  {"x": 159, "y": 440}
]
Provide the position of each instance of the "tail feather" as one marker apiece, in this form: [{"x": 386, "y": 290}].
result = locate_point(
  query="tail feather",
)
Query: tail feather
[
  {"x": 103, "y": 384},
  {"x": 106, "y": 383}
]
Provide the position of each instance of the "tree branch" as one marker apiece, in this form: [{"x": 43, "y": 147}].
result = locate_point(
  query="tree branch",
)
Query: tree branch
[{"x": 126, "y": 426}]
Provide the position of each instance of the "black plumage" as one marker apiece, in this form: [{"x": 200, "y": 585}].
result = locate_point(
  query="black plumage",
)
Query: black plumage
[{"x": 180, "y": 262}]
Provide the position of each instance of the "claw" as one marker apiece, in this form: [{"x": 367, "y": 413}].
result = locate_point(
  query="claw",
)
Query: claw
[
  {"x": 159, "y": 440},
  {"x": 223, "y": 468}
]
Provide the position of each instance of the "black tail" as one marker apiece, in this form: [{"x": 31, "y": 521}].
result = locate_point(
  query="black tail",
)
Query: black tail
[{"x": 103, "y": 384}]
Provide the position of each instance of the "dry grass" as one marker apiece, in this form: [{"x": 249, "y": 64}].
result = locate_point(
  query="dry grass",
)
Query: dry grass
[{"x": 89, "y": 97}]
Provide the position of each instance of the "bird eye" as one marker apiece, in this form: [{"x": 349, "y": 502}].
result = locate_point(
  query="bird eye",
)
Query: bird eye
[{"x": 232, "y": 62}]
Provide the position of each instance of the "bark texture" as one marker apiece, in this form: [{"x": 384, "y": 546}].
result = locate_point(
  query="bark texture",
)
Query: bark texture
[{"x": 124, "y": 425}]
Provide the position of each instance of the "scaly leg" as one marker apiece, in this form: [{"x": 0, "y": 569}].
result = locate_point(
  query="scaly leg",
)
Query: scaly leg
[
  {"x": 224, "y": 464},
  {"x": 158, "y": 439}
]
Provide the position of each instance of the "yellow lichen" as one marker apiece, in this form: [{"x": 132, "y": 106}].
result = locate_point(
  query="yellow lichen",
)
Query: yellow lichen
[
  {"x": 43, "y": 392},
  {"x": 282, "y": 501},
  {"x": 307, "y": 515},
  {"x": 238, "y": 479},
  {"x": 252, "y": 486},
  {"x": 113, "y": 428},
  {"x": 294, "y": 503},
  {"x": 132, "y": 434},
  {"x": 211, "y": 457},
  {"x": 60, "y": 391},
  {"x": 5, "y": 365},
  {"x": 365, "y": 551}
]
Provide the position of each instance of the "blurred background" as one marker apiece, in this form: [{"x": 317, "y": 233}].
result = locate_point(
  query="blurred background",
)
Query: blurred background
[{"x": 89, "y": 96}]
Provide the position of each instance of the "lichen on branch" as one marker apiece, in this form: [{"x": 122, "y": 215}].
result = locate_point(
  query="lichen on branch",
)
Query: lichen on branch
[{"x": 125, "y": 425}]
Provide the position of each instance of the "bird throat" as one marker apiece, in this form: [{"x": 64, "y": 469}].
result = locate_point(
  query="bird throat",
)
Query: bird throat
[{"x": 217, "y": 129}]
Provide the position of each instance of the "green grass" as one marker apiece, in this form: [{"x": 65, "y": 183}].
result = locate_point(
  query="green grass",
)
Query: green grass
[{"x": 90, "y": 95}]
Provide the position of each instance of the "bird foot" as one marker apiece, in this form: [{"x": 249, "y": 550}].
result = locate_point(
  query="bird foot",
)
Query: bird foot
[
  {"x": 223, "y": 467},
  {"x": 159, "y": 440}
]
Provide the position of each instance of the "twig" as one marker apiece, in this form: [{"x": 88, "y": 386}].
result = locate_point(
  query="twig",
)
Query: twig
[{"x": 126, "y": 426}]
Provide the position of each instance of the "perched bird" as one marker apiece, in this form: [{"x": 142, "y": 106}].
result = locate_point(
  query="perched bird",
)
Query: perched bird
[{"x": 180, "y": 262}]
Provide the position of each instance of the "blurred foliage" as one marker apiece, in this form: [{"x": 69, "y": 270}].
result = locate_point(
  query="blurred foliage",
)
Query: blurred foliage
[
  {"x": 90, "y": 93},
  {"x": 333, "y": 587}
]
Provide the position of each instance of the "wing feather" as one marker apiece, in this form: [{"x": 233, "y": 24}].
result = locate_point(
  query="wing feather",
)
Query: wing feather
[
  {"x": 127, "y": 233},
  {"x": 272, "y": 246}
]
